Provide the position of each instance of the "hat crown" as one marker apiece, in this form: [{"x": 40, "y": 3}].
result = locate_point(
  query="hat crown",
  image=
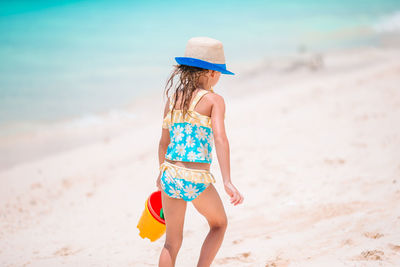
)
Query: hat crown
[{"x": 205, "y": 48}]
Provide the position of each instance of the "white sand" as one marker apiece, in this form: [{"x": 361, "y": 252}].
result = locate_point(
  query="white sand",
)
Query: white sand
[{"x": 315, "y": 153}]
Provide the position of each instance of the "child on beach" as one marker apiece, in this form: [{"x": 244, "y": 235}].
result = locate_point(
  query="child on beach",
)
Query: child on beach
[{"x": 194, "y": 121}]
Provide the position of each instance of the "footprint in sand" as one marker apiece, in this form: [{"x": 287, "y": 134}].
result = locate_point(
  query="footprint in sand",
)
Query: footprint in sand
[
  {"x": 348, "y": 242},
  {"x": 277, "y": 262},
  {"x": 62, "y": 252},
  {"x": 394, "y": 247},
  {"x": 242, "y": 257},
  {"x": 237, "y": 241},
  {"x": 373, "y": 235},
  {"x": 371, "y": 255},
  {"x": 66, "y": 251}
]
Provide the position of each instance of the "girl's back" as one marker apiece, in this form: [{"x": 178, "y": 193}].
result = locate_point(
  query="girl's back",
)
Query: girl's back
[{"x": 203, "y": 109}]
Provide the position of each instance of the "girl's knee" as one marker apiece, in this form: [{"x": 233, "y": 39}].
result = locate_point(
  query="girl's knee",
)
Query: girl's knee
[
  {"x": 173, "y": 245},
  {"x": 220, "y": 224}
]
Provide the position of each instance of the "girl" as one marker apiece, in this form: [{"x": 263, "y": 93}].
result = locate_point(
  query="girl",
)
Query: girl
[{"x": 193, "y": 121}]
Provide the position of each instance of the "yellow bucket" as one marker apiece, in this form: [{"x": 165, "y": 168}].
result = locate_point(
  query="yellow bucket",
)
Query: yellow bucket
[{"x": 151, "y": 225}]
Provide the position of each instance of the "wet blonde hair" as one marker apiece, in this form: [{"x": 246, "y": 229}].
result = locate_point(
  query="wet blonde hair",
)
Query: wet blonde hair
[{"x": 187, "y": 84}]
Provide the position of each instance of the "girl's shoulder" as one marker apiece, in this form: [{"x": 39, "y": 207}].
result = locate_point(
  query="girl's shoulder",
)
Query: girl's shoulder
[
  {"x": 210, "y": 95},
  {"x": 214, "y": 98},
  {"x": 217, "y": 103}
]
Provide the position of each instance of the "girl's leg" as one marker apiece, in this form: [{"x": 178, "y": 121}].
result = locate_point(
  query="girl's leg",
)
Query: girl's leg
[
  {"x": 209, "y": 204},
  {"x": 174, "y": 213}
]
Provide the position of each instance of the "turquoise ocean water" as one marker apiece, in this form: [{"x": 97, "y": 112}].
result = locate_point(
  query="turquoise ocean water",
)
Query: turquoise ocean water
[{"x": 62, "y": 59}]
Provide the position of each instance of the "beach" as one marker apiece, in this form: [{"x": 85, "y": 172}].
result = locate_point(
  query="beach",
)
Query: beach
[{"x": 315, "y": 150}]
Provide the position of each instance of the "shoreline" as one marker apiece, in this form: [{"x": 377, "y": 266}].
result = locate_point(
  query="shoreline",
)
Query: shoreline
[
  {"x": 280, "y": 61},
  {"x": 98, "y": 127}
]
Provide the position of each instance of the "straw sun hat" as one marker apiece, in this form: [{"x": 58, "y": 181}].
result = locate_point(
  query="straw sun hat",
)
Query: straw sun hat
[{"x": 206, "y": 53}]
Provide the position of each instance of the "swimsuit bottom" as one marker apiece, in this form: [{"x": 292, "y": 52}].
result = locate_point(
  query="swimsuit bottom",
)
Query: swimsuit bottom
[{"x": 184, "y": 183}]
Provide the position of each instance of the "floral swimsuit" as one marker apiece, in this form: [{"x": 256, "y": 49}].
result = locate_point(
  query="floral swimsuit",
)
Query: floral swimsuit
[{"x": 191, "y": 140}]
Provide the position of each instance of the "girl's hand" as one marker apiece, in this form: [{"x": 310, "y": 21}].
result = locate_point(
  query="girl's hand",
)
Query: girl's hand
[
  {"x": 158, "y": 183},
  {"x": 236, "y": 197}
]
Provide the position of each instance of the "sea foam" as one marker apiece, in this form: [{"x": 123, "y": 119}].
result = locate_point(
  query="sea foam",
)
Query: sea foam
[{"x": 389, "y": 23}]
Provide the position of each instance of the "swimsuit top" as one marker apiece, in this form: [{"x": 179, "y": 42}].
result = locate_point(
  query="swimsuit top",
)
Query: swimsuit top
[{"x": 191, "y": 137}]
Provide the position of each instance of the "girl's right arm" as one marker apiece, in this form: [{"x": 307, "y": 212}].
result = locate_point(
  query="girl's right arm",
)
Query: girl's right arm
[
  {"x": 163, "y": 145},
  {"x": 222, "y": 147}
]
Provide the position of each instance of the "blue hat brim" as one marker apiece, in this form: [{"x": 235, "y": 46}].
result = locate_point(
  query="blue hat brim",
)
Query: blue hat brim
[{"x": 194, "y": 62}]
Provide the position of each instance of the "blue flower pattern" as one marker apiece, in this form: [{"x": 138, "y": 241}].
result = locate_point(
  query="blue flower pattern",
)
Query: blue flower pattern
[
  {"x": 190, "y": 142},
  {"x": 181, "y": 188}
]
